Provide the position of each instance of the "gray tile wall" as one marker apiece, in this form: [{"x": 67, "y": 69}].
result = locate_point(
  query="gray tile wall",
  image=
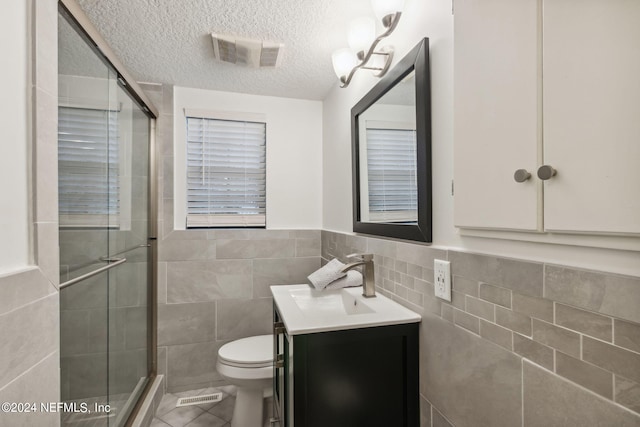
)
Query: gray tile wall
[
  {"x": 521, "y": 343},
  {"x": 29, "y": 323},
  {"x": 218, "y": 291},
  {"x": 213, "y": 285}
]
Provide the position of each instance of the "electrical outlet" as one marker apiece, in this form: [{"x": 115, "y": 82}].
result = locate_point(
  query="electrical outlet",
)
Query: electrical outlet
[{"x": 442, "y": 279}]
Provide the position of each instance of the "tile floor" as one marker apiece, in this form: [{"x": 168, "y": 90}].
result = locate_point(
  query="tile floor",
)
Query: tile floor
[
  {"x": 217, "y": 414},
  {"x": 79, "y": 419}
]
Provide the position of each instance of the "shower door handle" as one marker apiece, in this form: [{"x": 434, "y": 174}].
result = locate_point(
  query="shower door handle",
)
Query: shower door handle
[{"x": 113, "y": 262}]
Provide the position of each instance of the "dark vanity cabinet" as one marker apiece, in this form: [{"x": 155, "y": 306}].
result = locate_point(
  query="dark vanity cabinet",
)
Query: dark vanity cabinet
[{"x": 363, "y": 377}]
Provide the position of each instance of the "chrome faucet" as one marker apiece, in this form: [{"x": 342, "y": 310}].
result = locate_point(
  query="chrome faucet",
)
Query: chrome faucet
[{"x": 368, "y": 275}]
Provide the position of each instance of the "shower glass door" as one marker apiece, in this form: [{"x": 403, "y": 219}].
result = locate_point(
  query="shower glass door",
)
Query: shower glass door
[
  {"x": 105, "y": 263},
  {"x": 128, "y": 283}
]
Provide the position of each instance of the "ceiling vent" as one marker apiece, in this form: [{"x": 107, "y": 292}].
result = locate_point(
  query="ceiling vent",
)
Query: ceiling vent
[{"x": 247, "y": 52}]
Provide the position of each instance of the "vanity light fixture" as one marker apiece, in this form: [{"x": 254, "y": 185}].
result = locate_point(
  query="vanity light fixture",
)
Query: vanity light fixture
[{"x": 363, "y": 43}]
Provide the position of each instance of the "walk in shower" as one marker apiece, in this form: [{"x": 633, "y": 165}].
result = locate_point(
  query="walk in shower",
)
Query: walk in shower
[{"x": 107, "y": 245}]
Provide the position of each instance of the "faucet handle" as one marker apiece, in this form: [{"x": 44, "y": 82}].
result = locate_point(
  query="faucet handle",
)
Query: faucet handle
[{"x": 361, "y": 257}]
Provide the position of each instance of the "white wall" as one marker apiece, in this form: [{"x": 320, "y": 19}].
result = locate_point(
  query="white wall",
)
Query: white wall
[
  {"x": 14, "y": 211},
  {"x": 294, "y": 153},
  {"x": 431, "y": 19},
  {"x": 434, "y": 19}
]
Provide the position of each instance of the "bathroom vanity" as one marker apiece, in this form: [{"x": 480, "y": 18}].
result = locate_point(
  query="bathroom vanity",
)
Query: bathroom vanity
[{"x": 343, "y": 360}]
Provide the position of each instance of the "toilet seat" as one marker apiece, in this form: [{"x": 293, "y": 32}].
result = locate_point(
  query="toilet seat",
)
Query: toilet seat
[{"x": 251, "y": 352}]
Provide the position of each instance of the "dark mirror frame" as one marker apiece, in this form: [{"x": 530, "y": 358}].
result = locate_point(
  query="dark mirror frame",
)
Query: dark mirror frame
[{"x": 416, "y": 60}]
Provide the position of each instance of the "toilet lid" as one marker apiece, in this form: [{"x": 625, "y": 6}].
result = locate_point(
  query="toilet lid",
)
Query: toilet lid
[{"x": 252, "y": 352}]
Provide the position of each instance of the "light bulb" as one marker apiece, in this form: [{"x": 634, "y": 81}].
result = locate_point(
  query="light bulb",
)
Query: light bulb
[
  {"x": 343, "y": 61},
  {"x": 362, "y": 32},
  {"x": 383, "y": 8}
]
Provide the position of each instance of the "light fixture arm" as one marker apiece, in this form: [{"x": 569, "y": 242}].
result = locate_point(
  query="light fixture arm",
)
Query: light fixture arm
[
  {"x": 388, "y": 53},
  {"x": 390, "y": 22}
]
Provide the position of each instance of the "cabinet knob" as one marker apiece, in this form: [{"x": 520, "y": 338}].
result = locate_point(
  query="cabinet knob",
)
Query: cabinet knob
[
  {"x": 546, "y": 172},
  {"x": 521, "y": 175}
]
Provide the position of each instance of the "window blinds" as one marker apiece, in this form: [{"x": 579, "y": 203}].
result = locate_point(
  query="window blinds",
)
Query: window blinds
[
  {"x": 88, "y": 164},
  {"x": 391, "y": 166},
  {"x": 226, "y": 174}
]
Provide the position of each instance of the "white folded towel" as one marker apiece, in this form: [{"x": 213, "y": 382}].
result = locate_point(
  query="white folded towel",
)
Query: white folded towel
[
  {"x": 353, "y": 278},
  {"x": 327, "y": 274}
]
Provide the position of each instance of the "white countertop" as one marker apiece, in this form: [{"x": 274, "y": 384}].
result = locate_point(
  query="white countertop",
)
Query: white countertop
[{"x": 305, "y": 310}]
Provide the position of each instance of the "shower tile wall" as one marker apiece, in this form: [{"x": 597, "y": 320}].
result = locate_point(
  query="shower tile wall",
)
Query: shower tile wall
[
  {"x": 521, "y": 343},
  {"x": 29, "y": 306},
  {"x": 213, "y": 285}
]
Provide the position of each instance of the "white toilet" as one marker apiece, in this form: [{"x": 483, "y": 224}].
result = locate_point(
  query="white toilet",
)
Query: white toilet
[{"x": 247, "y": 363}]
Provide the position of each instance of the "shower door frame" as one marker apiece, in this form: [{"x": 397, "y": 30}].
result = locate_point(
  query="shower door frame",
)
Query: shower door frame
[{"x": 129, "y": 84}]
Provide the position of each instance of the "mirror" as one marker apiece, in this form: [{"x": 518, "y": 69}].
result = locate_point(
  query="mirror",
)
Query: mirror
[{"x": 391, "y": 150}]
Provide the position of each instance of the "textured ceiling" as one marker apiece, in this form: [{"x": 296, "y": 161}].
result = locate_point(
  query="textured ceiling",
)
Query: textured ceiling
[{"x": 168, "y": 41}]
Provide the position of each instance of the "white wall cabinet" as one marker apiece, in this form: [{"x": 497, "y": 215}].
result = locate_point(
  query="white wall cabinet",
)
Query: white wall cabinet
[
  {"x": 547, "y": 82},
  {"x": 496, "y": 117}
]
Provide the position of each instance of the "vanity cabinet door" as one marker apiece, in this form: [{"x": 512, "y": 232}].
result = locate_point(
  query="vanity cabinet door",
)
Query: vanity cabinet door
[
  {"x": 356, "y": 377},
  {"x": 496, "y": 113},
  {"x": 592, "y": 115}
]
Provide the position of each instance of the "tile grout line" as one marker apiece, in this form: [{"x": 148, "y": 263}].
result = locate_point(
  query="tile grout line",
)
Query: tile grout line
[
  {"x": 613, "y": 332},
  {"x": 522, "y": 391},
  {"x": 431, "y": 413},
  {"x": 618, "y": 347},
  {"x": 544, "y": 281},
  {"x": 29, "y": 369},
  {"x": 23, "y": 306}
]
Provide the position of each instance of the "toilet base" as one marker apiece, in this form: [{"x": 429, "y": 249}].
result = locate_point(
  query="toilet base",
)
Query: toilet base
[{"x": 248, "y": 409}]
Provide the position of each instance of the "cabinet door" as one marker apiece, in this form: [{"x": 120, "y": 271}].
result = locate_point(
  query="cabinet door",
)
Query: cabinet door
[
  {"x": 496, "y": 113},
  {"x": 592, "y": 115}
]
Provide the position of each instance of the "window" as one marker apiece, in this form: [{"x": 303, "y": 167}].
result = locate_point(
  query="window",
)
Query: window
[
  {"x": 391, "y": 160},
  {"x": 226, "y": 174},
  {"x": 88, "y": 162}
]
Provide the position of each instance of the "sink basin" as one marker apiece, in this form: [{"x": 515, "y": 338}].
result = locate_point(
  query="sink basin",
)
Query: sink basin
[
  {"x": 306, "y": 310},
  {"x": 329, "y": 302}
]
